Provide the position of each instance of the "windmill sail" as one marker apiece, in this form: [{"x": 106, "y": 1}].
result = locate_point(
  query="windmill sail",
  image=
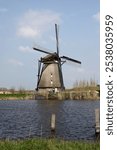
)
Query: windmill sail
[
  {"x": 70, "y": 59},
  {"x": 43, "y": 51},
  {"x": 57, "y": 41}
]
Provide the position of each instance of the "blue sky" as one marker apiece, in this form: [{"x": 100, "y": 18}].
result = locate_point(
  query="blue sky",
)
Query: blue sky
[{"x": 28, "y": 23}]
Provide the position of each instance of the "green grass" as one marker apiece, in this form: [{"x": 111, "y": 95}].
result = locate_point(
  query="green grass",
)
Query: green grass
[
  {"x": 12, "y": 95},
  {"x": 17, "y": 96},
  {"x": 48, "y": 144}
]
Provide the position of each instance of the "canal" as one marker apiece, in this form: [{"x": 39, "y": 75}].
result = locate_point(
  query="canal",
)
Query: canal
[{"x": 75, "y": 119}]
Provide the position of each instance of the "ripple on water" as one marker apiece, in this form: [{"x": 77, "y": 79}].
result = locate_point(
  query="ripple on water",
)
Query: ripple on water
[{"x": 31, "y": 118}]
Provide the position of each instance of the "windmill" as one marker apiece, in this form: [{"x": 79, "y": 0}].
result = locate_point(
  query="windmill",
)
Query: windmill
[{"x": 50, "y": 75}]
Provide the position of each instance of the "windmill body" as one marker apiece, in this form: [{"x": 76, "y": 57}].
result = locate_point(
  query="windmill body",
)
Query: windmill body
[
  {"x": 50, "y": 74},
  {"x": 50, "y": 77}
]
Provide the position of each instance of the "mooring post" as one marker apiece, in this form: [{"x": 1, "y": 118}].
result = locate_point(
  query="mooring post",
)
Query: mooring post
[
  {"x": 97, "y": 121},
  {"x": 53, "y": 119}
]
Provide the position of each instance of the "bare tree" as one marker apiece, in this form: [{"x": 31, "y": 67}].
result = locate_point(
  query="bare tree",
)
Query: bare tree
[
  {"x": 22, "y": 90},
  {"x": 12, "y": 90}
]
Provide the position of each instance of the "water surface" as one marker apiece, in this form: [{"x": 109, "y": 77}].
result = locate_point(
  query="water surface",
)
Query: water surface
[{"x": 75, "y": 119}]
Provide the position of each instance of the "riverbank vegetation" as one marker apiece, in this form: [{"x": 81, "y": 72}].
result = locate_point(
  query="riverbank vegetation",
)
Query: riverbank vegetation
[
  {"x": 48, "y": 144},
  {"x": 16, "y": 96},
  {"x": 12, "y": 94},
  {"x": 81, "y": 90}
]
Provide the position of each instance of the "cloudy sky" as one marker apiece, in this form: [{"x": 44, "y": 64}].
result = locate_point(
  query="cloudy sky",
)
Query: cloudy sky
[{"x": 28, "y": 23}]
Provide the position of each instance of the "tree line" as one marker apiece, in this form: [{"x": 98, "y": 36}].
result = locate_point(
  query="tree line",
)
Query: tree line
[{"x": 85, "y": 83}]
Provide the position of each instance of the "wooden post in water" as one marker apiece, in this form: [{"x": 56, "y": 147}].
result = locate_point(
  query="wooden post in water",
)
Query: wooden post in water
[
  {"x": 53, "y": 119},
  {"x": 97, "y": 121}
]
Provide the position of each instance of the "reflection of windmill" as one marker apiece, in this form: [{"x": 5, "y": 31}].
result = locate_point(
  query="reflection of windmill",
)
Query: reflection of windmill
[{"x": 50, "y": 68}]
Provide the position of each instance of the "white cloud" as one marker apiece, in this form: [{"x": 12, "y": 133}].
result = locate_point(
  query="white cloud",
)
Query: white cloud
[
  {"x": 97, "y": 16},
  {"x": 35, "y": 23},
  {"x": 27, "y": 31},
  {"x": 2, "y": 10},
  {"x": 16, "y": 62},
  {"x": 25, "y": 49}
]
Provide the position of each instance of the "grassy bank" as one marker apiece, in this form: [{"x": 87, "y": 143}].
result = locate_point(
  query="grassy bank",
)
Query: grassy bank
[
  {"x": 75, "y": 94},
  {"x": 48, "y": 144},
  {"x": 16, "y": 96}
]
